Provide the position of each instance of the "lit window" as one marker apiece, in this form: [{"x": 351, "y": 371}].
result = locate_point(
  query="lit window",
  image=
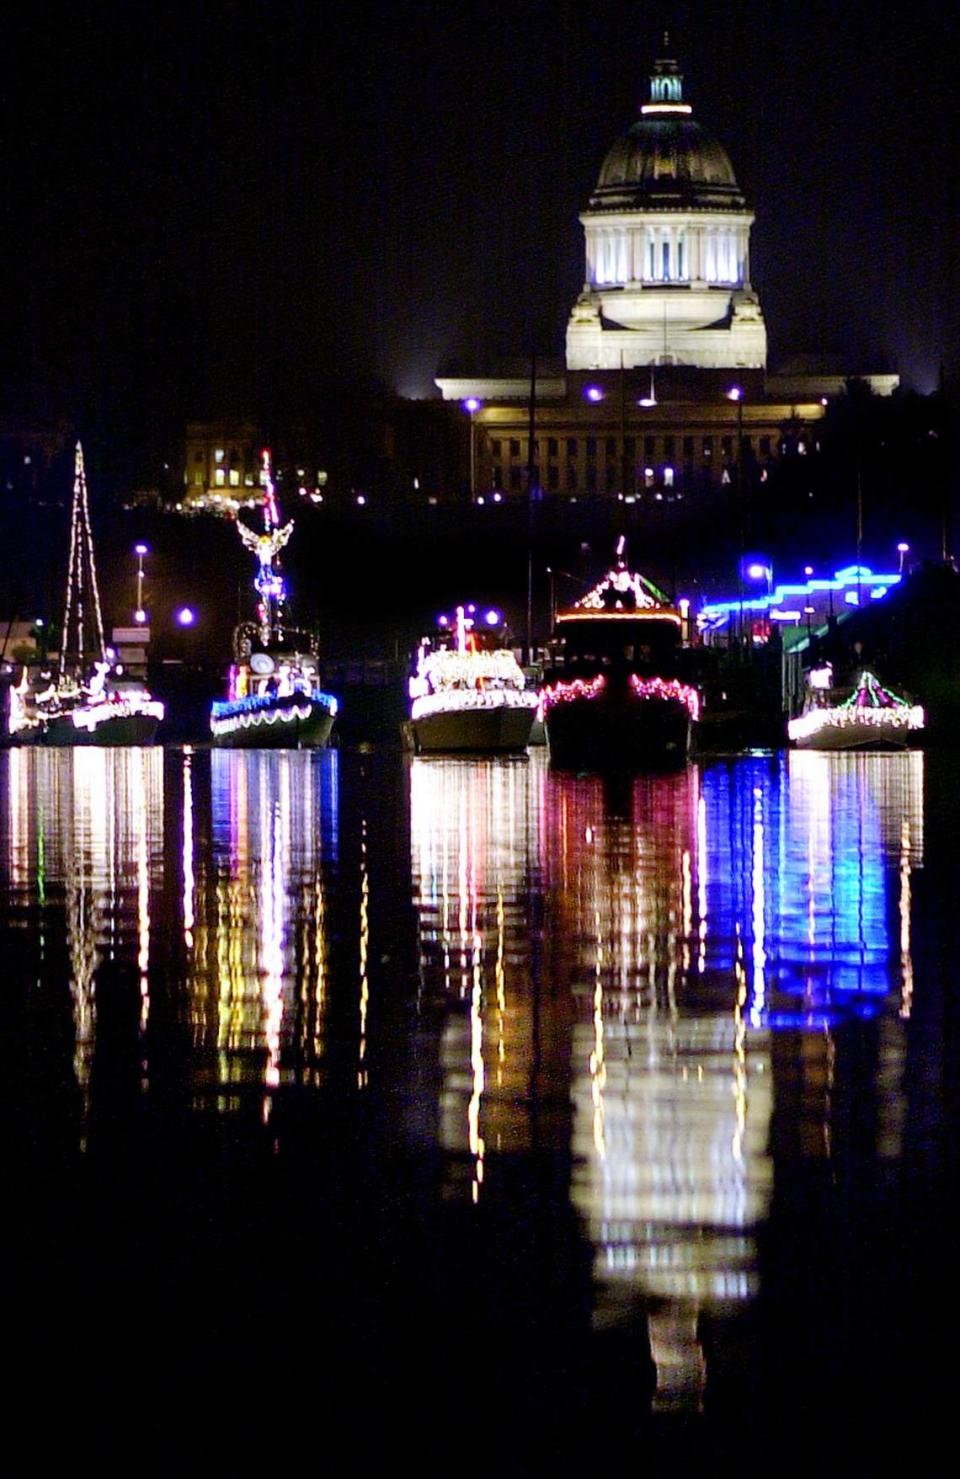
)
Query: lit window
[
  {"x": 218, "y": 455},
  {"x": 668, "y": 477},
  {"x": 234, "y": 478},
  {"x": 219, "y": 477}
]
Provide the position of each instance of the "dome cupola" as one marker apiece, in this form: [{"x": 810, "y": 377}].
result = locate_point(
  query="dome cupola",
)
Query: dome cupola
[{"x": 666, "y": 160}]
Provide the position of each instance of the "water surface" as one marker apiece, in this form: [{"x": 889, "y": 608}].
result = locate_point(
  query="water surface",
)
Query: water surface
[{"x": 518, "y": 1119}]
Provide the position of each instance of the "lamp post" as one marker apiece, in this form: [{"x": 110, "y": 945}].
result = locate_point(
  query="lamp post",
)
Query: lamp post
[
  {"x": 902, "y": 549},
  {"x": 472, "y": 405},
  {"x": 140, "y": 615},
  {"x": 735, "y": 394}
]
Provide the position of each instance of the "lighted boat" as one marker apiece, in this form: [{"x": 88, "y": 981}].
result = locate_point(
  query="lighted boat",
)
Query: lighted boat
[
  {"x": 274, "y": 699},
  {"x": 468, "y": 691},
  {"x": 867, "y": 717},
  {"x": 614, "y": 696},
  {"x": 87, "y": 699}
]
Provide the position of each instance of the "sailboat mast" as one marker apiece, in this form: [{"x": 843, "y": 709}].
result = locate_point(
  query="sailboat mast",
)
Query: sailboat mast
[{"x": 81, "y": 573}]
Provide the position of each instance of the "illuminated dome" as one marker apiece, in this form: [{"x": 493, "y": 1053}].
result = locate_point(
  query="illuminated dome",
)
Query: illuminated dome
[
  {"x": 667, "y": 248},
  {"x": 663, "y": 163}
]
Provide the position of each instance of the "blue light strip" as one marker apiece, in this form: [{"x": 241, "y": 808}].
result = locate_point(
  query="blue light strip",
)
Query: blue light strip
[
  {"x": 852, "y": 576},
  {"x": 257, "y": 702}
]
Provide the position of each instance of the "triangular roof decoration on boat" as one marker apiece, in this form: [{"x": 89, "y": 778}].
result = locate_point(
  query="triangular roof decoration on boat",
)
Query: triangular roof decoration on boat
[
  {"x": 622, "y": 589},
  {"x": 870, "y": 693}
]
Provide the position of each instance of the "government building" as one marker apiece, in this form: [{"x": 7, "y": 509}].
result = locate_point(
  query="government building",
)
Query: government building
[{"x": 665, "y": 390}]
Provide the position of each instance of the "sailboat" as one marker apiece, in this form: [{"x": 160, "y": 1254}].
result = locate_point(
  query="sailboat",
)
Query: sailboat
[
  {"x": 273, "y": 696},
  {"x": 88, "y": 700}
]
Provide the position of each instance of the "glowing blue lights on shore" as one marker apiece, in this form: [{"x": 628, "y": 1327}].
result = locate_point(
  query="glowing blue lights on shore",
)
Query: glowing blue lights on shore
[{"x": 851, "y": 586}]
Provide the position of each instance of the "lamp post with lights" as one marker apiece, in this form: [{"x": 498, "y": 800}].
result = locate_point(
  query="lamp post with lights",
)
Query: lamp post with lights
[
  {"x": 472, "y": 406},
  {"x": 902, "y": 550},
  {"x": 735, "y": 394},
  {"x": 140, "y": 615}
]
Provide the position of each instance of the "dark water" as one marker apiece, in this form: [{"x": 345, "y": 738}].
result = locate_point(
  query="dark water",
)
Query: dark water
[{"x": 362, "y": 1110}]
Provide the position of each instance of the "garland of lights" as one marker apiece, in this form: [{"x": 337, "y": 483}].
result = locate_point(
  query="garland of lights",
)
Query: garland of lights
[
  {"x": 220, "y": 727},
  {"x": 661, "y": 690},
  {"x": 270, "y": 705},
  {"x": 467, "y": 701},
  {"x": 667, "y": 690},
  {"x": 90, "y": 717},
  {"x": 81, "y": 571},
  {"x": 449, "y": 669},
  {"x": 568, "y": 691}
]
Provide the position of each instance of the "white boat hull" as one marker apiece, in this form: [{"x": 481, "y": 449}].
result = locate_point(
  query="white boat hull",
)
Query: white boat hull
[{"x": 476, "y": 731}]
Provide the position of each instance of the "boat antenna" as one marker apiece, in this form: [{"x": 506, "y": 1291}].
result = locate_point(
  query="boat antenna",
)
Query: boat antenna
[{"x": 81, "y": 573}]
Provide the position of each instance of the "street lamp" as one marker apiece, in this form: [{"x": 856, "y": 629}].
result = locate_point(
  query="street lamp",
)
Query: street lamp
[
  {"x": 735, "y": 394},
  {"x": 140, "y": 615},
  {"x": 472, "y": 405},
  {"x": 902, "y": 549}
]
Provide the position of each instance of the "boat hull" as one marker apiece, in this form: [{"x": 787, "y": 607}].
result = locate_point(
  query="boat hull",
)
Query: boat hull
[
  {"x": 836, "y": 737},
  {"x": 612, "y": 733},
  {"x": 474, "y": 731},
  {"x": 302, "y": 727},
  {"x": 62, "y": 733}
]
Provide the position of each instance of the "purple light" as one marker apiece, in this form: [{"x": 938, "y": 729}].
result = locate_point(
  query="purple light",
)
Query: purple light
[
  {"x": 140, "y": 549},
  {"x": 593, "y": 393},
  {"x": 492, "y": 618},
  {"x": 186, "y": 616},
  {"x": 735, "y": 393},
  {"x": 471, "y": 404},
  {"x": 757, "y": 572}
]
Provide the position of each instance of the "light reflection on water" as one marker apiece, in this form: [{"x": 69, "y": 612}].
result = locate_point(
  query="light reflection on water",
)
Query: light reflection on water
[
  {"x": 638, "y": 980},
  {"x": 634, "y": 949}
]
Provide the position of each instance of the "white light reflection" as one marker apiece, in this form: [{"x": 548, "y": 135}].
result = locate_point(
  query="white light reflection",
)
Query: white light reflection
[
  {"x": 362, "y": 1072},
  {"x": 187, "y": 849},
  {"x": 85, "y": 830},
  {"x": 474, "y": 830},
  {"x": 258, "y": 965},
  {"x": 671, "y": 1093}
]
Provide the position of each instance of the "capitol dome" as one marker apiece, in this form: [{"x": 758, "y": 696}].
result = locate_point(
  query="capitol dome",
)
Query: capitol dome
[
  {"x": 666, "y": 162},
  {"x": 667, "y": 248}
]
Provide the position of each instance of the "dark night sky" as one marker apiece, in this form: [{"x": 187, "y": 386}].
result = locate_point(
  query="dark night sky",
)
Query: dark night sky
[{"x": 206, "y": 204}]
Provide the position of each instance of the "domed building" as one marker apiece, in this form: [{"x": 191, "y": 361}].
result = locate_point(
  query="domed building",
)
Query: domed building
[
  {"x": 667, "y": 235},
  {"x": 665, "y": 393}
]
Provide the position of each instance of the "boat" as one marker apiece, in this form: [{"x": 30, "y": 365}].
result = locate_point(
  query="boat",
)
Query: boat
[
  {"x": 468, "y": 692},
  {"x": 614, "y": 696},
  {"x": 867, "y": 716},
  {"x": 274, "y": 699},
  {"x": 87, "y": 699}
]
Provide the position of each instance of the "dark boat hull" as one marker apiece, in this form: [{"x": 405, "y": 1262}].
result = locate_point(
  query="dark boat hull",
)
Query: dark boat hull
[
  {"x": 474, "y": 731},
  {"x": 62, "y": 733},
  {"x": 617, "y": 733},
  {"x": 301, "y": 727}
]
